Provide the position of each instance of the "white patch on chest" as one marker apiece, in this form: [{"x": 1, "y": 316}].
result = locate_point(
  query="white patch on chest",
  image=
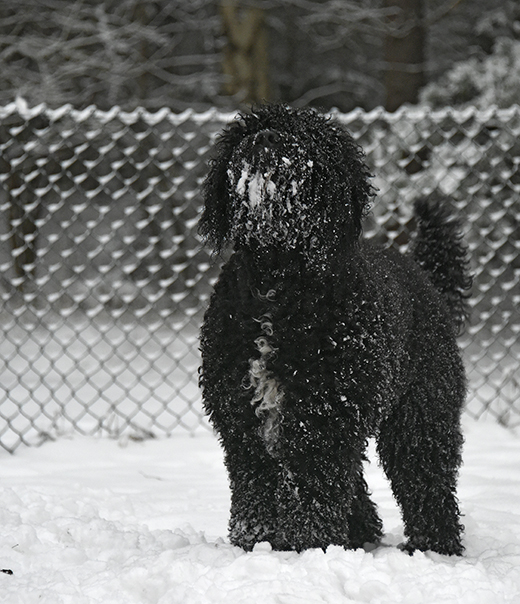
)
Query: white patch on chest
[{"x": 268, "y": 393}]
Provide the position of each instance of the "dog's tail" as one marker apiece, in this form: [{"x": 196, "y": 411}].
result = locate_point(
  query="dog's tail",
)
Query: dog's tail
[{"x": 438, "y": 248}]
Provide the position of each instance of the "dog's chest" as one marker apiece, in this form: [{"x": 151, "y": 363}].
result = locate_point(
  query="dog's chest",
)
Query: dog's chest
[
  {"x": 286, "y": 336},
  {"x": 308, "y": 347},
  {"x": 279, "y": 329}
]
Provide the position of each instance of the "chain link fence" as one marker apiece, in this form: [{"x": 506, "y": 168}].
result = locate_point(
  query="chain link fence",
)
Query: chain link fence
[{"x": 103, "y": 281}]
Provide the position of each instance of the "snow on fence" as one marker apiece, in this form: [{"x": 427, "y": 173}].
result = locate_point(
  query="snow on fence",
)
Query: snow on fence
[{"x": 103, "y": 280}]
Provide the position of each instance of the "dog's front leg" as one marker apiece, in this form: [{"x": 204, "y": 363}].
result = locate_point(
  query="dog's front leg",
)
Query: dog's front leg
[
  {"x": 318, "y": 474},
  {"x": 253, "y": 479}
]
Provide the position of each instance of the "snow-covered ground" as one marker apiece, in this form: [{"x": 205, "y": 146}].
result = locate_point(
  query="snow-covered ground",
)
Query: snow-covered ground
[{"x": 90, "y": 520}]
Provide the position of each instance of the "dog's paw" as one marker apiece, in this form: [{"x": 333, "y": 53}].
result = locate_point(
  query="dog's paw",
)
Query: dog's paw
[{"x": 448, "y": 549}]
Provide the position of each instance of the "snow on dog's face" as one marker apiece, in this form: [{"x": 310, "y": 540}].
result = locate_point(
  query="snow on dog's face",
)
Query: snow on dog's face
[
  {"x": 269, "y": 185},
  {"x": 285, "y": 178}
]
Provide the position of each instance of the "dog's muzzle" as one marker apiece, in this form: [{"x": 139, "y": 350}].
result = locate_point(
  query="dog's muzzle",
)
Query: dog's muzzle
[
  {"x": 267, "y": 139},
  {"x": 269, "y": 180}
]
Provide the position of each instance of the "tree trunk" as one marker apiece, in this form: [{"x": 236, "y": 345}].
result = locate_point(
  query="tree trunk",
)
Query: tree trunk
[
  {"x": 404, "y": 53},
  {"x": 245, "y": 62}
]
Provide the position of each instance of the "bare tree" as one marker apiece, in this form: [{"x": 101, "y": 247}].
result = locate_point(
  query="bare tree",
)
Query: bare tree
[
  {"x": 200, "y": 53},
  {"x": 245, "y": 63},
  {"x": 124, "y": 52},
  {"x": 404, "y": 53},
  {"x": 332, "y": 50}
]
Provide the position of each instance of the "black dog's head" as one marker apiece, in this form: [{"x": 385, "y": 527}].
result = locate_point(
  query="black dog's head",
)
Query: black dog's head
[{"x": 284, "y": 178}]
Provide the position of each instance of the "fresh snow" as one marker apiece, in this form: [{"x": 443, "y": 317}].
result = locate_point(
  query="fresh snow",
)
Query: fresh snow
[{"x": 93, "y": 520}]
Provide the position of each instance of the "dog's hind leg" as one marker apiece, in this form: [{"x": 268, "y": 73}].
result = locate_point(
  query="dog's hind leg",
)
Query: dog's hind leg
[{"x": 420, "y": 449}]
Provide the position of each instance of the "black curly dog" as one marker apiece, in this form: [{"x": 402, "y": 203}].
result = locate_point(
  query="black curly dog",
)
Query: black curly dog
[{"x": 315, "y": 340}]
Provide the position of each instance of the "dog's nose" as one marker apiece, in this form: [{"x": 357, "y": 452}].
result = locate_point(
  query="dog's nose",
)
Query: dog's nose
[{"x": 268, "y": 139}]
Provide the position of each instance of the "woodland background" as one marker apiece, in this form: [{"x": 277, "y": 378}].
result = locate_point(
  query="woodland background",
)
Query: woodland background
[{"x": 199, "y": 53}]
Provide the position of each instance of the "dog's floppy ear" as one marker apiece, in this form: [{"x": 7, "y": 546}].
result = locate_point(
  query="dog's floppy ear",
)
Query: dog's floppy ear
[
  {"x": 214, "y": 223},
  {"x": 362, "y": 190}
]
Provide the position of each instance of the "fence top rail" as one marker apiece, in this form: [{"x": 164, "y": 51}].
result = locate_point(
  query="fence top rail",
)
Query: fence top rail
[
  {"x": 21, "y": 107},
  {"x": 416, "y": 113},
  {"x": 413, "y": 113}
]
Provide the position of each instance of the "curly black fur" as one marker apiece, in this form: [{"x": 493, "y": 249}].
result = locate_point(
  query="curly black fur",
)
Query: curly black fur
[{"x": 315, "y": 340}]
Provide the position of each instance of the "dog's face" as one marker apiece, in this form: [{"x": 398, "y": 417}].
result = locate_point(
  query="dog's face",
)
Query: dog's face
[
  {"x": 286, "y": 179},
  {"x": 269, "y": 182}
]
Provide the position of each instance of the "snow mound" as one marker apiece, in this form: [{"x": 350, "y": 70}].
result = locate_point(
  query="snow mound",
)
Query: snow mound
[{"x": 84, "y": 521}]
